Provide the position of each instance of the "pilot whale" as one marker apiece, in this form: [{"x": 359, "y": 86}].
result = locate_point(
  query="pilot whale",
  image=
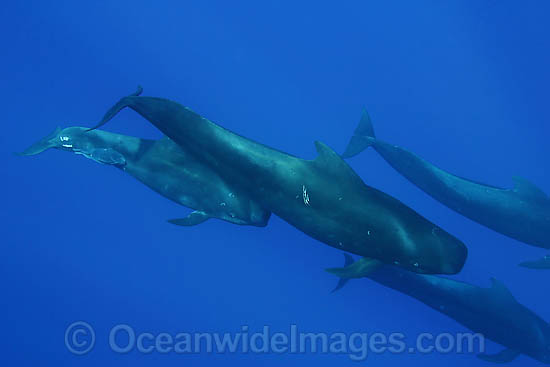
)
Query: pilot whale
[
  {"x": 324, "y": 197},
  {"x": 164, "y": 167},
  {"x": 540, "y": 264},
  {"x": 492, "y": 312},
  {"x": 522, "y": 213}
]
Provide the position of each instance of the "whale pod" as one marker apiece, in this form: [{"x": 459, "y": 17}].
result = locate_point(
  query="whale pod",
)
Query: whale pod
[{"x": 323, "y": 198}]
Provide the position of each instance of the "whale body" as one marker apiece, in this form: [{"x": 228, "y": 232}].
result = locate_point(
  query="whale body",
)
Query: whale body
[
  {"x": 323, "y": 198},
  {"x": 522, "y": 213},
  {"x": 164, "y": 167},
  {"x": 492, "y": 312},
  {"x": 540, "y": 264}
]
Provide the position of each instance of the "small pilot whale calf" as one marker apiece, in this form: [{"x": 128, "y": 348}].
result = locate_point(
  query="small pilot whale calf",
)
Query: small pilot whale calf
[
  {"x": 540, "y": 264},
  {"x": 492, "y": 312},
  {"x": 522, "y": 213},
  {"x": 324, "y": 197},
  {"x": 164, "y": 167}
]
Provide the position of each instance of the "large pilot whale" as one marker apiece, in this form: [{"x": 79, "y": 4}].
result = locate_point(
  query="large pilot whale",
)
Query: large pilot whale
[
  {"x": 164, "y": 167},
  {"x": 522, "y": 213},
  {"x": 323, "y": 198},
  {"x": 492, "y": 312}
]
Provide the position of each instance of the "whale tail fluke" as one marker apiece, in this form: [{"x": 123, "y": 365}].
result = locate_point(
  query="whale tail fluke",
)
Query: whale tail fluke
[
  {"x": 348, "y": 260},
  {"x": 353, "y": 270},
  {"x": 116, "y": 108},
  {"x": 362, "y": 138},
  {"x": 42, "y": 145}
]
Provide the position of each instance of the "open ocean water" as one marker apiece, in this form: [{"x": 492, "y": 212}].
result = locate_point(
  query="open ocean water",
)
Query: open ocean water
[{"x": 463, "y": 84}]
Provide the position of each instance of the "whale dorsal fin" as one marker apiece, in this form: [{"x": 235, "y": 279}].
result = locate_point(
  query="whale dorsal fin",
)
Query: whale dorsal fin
[
  {"x": 506, "y": 356},
  {"x": 331, "y": 162},
  {"x": 501, "y": 290},
  {"x": 528, "y": 189}
]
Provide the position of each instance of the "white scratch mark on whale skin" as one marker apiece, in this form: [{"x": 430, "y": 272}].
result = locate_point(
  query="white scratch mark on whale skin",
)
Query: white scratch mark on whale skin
[{"x": 305, "y": 195}]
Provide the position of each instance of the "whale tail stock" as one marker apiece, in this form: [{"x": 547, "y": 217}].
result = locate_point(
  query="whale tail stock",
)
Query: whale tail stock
[
  {"x": 42, "y": 145},
  {"x": 363, "y": 136},
  {"x": 116, "y": 108},
  {"x": 353, "y": 270}
]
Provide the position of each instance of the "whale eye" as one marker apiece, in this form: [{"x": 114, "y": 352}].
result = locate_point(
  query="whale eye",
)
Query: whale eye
[{"x": 64, "y": 138}]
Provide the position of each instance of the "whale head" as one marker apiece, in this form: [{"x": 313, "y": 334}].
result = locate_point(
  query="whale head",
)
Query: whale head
[
  {"x": 452, "y": 251},
  {"x": 79, "y": 141},
  {"x": 430, "y": 251}
]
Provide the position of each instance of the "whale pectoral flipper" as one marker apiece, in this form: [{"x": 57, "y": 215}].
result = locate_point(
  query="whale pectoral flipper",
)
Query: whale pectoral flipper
[
  {"x": 506, "y": 356},
  {"x": 362, "y": 138},
  {"x": 353, "y": 270},
  {"x": 528, "y": 189},
  {"x": 107, "y": 156},
  {"x": 197, "y": 217}
]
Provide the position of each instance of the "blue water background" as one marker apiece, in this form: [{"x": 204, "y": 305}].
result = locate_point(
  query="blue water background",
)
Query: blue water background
[{"x": 463, "y": 84}]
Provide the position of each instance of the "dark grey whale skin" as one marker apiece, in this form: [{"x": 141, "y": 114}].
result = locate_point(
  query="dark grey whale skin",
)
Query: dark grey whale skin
[
  {"x": 522, "y": 213},
  {"x": 493, "y": 312},
  {"x": 323, "y": 198},
  {"x": 164, "y": 167}
]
